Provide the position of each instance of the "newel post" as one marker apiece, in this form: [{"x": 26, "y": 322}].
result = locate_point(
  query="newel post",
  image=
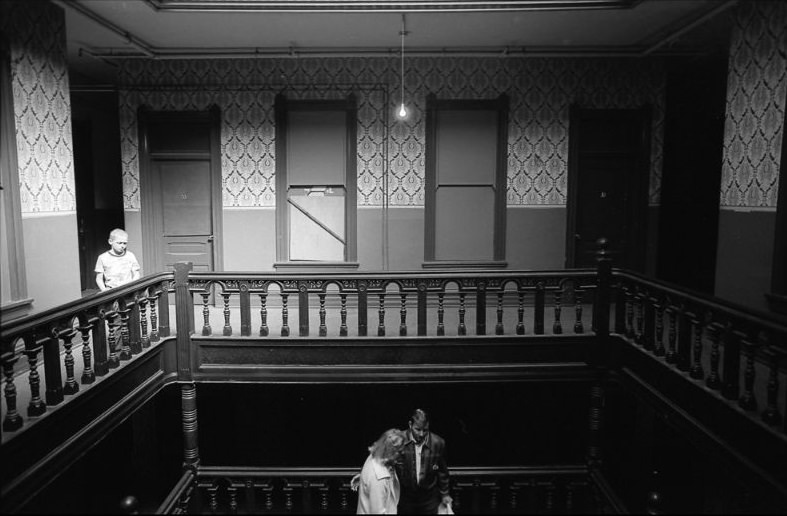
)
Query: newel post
[
  {"x": 184, "y": 307},
  {"x": 601, "y": 305}
]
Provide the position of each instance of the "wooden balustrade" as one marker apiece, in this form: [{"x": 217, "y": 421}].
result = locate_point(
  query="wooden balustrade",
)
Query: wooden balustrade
[
  {"x": 735, "y": 352},
  {"x": 106, "y": 330},
  {"x": 508, "y": 490},
  {"x": 417, "y": 298}
]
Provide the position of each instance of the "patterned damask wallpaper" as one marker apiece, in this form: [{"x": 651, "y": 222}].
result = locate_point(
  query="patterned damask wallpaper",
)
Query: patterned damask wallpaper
[
  {"x": 390, "y": 152},
  {"x": 756, "y": 90},
  {"x": 42, "y": 107}
]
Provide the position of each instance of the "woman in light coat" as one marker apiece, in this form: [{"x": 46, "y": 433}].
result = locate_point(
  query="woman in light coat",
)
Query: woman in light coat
[{"x": 378, "y": 489}]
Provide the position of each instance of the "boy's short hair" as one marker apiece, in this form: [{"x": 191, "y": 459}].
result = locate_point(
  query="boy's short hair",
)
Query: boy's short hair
[{"x": 116, "y": 233}]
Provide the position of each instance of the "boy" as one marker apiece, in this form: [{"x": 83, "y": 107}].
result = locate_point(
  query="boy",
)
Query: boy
[{"x": 118, "y": 265}]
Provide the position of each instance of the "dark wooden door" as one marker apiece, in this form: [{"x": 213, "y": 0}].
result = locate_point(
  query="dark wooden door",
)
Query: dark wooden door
[
  {"x": 609, "y": 158},
  {"x": 181, "y": 202}
]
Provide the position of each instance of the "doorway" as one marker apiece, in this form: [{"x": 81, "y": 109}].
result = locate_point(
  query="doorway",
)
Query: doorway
[
  {"x": 180, "y": 176},
  {"x": 608, "y": 170}
]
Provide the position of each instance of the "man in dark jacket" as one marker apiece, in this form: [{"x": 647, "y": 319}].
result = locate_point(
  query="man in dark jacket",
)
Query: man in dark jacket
[{"x": 422, "y": 471}]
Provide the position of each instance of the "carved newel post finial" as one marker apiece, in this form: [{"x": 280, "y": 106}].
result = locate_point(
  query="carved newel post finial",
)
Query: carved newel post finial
[{"x": 129, "y": 505}]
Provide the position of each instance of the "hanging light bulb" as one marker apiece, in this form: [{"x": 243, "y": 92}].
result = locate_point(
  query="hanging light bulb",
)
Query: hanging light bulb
[{"x": 402, "y": 113}]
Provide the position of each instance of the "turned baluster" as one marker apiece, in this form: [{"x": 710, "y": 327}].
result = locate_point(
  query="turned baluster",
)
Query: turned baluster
[
  {"x": 620, "y": 309},
  {"x": 672, "y": 337},
  {"x": 343, "y": 315},
  {"x": 206, "y": 329},
  {"x": 113, "y": 361},
  {"x": 520, "y": 313},
  {"x": 629, "y": 313},
  {"x": 323, "y": 328},
  {"x": 771, "y": 413},
  {"x": 499, "y": 330},
  {"x": 659, "y": 347},
  {"x": 268, "y": 490},
  {"x": 403, "y": 315},
  {"x": 557, "y": 327},
  {"x": 639, "y": 303},
  {"x": 747, "y": 400},
  {"x": 649, "y": 323},
  {"x": 143, "y": 321},
  {"x": 363, "y": 299},
  {"x": 36, "y": 406},
  {"x": 88, "y": 375},
  {"x": 214, "y": 502},
  {"x": 154, "y": 335},
  {"x": 344, "y": 503},
  {"x": 381, "y": 316},
  {"x": 71, "y": 386},
  {"x": 731, "y": 365},
  {"x": 697, "y": 371},
  {"x": 263, "y": 316},
  {"x": 462, "y": 329},
  {"x": 578, "y": 326},
  {"x": 233, "y": 494},
  {"x": 684, "y": 339},
  {"x": 12, "y": 420},
  {"x": 285, "y": 327},
  {"x": 323, "y": 497},
  {"x": 227, "y": 331},
  {"x": 421, "y": 309},
  {"x": 288, "y": 504},
  {"x": 713, "y": 381},
  {"x": 440, "y": 314},
  {"x": 125, "y": 342}
]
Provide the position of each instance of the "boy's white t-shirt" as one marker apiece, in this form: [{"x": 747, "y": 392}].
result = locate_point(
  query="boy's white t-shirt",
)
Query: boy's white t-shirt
[{"x": 117, "y": 269}]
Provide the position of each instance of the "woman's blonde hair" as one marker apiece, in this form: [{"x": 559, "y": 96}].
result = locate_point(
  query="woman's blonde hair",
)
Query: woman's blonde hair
[{"x": 386, "y": 449}]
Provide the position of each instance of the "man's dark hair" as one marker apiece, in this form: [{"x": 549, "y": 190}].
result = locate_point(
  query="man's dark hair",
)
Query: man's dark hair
[{"x": 419, "y": 416}]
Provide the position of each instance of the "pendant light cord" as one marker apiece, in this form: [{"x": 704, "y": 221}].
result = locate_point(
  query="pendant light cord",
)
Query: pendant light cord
[{"x": 402, "y": 33}]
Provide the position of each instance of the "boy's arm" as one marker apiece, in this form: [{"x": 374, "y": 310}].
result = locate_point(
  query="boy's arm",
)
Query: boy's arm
[
  {"x": 135, "y": 268},
  {"x": 100, "y": 281}
]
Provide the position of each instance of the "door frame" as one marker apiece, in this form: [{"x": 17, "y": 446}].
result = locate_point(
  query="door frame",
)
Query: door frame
[
  {"x": 638, "y": 190},
  {"x": 151, "y": 243},
  {"x": 282, "y": 106}
]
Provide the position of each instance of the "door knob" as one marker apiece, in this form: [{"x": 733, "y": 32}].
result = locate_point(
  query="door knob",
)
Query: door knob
[{"x": 210, "y": 238}]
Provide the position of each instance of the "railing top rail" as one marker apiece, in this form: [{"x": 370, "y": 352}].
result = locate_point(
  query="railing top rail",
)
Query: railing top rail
[
  {"x": 27, "y": 323},
  {"x": 761, "y": 319},
  {"x": 376, "y": 275}
]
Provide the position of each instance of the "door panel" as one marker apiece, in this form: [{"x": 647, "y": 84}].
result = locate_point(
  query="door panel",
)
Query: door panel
[{"x": 184, "y": 197}]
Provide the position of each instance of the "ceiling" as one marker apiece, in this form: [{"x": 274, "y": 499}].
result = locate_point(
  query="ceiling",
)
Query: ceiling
[{"x": 101, "y": 31}]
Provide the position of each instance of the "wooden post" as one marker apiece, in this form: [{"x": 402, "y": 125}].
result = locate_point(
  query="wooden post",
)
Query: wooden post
[
  {"x": 421, "y": 316},
  {"x": 245, "y": 309},
  {"x": 184, "y": 305},
  {"x": 134, "y": 333},
  {"x": 362, "y": 308},
  {"x": 163, "y": 310},
  {"x": 303, "y": 309},
  {"x": 188, "y": 399},
  {"x": 602, "y": 301},
  {"x": 480, "y": 309}
]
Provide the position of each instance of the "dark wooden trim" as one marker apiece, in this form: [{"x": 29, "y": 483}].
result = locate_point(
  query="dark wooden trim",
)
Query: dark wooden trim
[
  {"x": 777, "y": 299},
  {"x": 571, "y": 189},
  {"x": 151, "y": 219},
  {"x": 282, "y": 220},
  {"x": 282, "y": 106},
  {"x": 14, "y": 254},
  {"x": 459, "y": 264},
  {"x": 637, "y": 234},
  {"x": 433, "y": 106}
]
